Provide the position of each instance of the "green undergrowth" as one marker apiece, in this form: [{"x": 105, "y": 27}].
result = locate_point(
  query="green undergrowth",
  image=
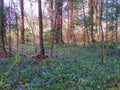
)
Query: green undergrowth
[{"x": 73, "y": 68}]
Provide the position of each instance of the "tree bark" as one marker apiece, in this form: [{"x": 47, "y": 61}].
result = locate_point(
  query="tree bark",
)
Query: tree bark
[
  {"x": 9, "y": 29},
  {"x": 2, "y": 21},
  {"x": 106, "y": 21},
  {"x": 116, "y": 23},
  {"x": 22, "y": 18},
  {"x": 54, "y": 27},
  {"x": 58, "y": 31},
  {"x": 91, "y": 19},
  {"x": 16, "y": 22},
  {"x": 42, "y": 53},
  {"x": 85, "y": 26},
  {"x": 71, "y": 25},
  {"x": 102, "y": 33}
]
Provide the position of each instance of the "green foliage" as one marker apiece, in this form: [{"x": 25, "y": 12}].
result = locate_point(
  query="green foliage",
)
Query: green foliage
[
  {"x": 47, "y": 37},
  {"x": 75, "y": 68},
  {"x": 17, "y": 58},
  {"x": 110, "y": 45}
]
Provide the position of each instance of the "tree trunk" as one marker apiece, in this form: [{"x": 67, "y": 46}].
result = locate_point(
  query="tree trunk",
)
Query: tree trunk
[
  {"x": 51, "y": 14},
  {"x": 9, "y": 29},
  {"x": 53, "y": 34},
  {"x": 22, "y": 18},
  {"x": 61, "y": 36},
  {"x": 71, "y": 25},
  {"x": 106, "y": 21},
  {"x": 16, "y": 22},
  {"x": 58, "y": 30},
  {"x": 116, "y": 23},
  {"x": 91, "y": 19},
  {"x": 42, "y": 53},
  {"x": 85, "y": 26},
  {"x": 102, "y": 33},
  {"x": 2, "y": 17}
]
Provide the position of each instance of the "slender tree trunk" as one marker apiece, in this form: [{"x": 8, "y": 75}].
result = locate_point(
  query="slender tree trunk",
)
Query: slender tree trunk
[
  {"x": 2, "y": 21},
  {"x": 22, "y": 17},
  {"x": 58, "y": 30},
  {"x": 90, "y": 15},
  {"x": 56, "y": 25},
  {"x": 61, "y": 36},
  {"x": 42, "y": 53},
  {"x": 9, "y": 29},
  {"x": 96, "y": 16},
  {"x": 16, "y": 22},
  {"x": 99, "y": 11},
  {"x": 106, "y": 22},
  {"x": 85, "y": 26},
  {"x": 68, "y": 30},
  {"x": 54, "y": 28},
  {"x": 32, "y": 25},
  {"x": 102, "y": 33},
  {"x": 112, "y": 23},
  {"x": 71, "y": 19},
  {"x": 116, "y": 23},
  {"x": 51, "y": 14}
]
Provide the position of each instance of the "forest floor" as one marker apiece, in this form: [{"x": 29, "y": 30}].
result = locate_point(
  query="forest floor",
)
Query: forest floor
[{"x": 71, "y": 68}]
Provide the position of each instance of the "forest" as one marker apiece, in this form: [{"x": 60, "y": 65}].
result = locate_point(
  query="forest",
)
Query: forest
[{"x": 59, "y": 45}]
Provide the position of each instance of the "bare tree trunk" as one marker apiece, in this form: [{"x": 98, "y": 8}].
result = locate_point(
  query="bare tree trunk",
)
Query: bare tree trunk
[
  {"x": 106, "y": 21},
  {"x": 61, "y": 36},
  {"x": 42, "y": 53},
  {"x": 22, "y": 17},
  {"x": 51, "y": 14},
  {"x": 71, "y": 25},
  {"x": 2, "y": 21},
  {"x": 96, "y": 17},
  {"x": 9, "y": 29},
  {"x": 58, "y": 31},
  {"x": 54, "y": 27},
  {"x": 102, "y": 33},
  {"x": 116, "y": 23},
  {"x": 91, "y": 21},
  {"x": 16, "y": 22},
  {"x": 84, "y": 22},
  {"x": 68, "y": 31},
  {"x": 112, "y": 23}
]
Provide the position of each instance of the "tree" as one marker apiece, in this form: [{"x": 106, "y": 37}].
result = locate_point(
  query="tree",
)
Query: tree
[
  {"x": 9, "y": 26},
  {"x": 31, "y": 25},
  {"x": 70, "y": 20},
  {"x": 116, "y": 23},
  {"x": 83, "y": 7},
  {"x": 42, "y": 53},
  {"x": 91, "y": 18},
  {"x": 22, "y": 18},
  {"x": 106, "y": 12},
  {"x": 51, "y": 11},
  {"x": 58, "y": 25},
  {"x": 2, "y": 28},
  {"x": 102, "y": 33},
  {"x": 16, "y": 22}
]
